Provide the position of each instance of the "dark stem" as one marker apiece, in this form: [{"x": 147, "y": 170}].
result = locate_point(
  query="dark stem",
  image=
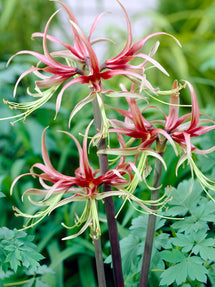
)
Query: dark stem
[
  {"x": 109, "y": 204},
  {"x": 150, "y": 227}
]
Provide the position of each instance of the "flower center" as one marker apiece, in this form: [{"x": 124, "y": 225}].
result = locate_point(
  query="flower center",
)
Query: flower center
[{"x": 91, "y": 185}]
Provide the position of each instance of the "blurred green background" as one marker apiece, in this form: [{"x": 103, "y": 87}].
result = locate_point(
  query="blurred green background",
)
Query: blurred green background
[{"x": 192, "y": 22}]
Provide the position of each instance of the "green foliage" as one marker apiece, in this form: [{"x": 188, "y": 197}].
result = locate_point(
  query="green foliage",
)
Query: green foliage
[
  {"x": 19, "y": 19},
  {"x": 2, "y": 194},
  {"x": 183, "y": 269},
  {"x": 19, "y": 255},
  {"x": 183, "y": 251},
  {"x": 17, "y": 249},
  {"x": 192, "y": 23}
]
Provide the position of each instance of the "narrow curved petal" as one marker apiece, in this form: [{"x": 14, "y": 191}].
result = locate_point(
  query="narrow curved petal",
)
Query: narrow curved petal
[
  {"x": 139, "y": 44},
  {"x": 152, "y": 61},
  {"x": 129, "y": 39},
  {"x": 137, "y": 117},
  {"x": 93, "y": 59},
  {"x": 55, "y": 40},
  {"x": 95, "y": 23},
  {"x": 33, "y": 69},
  {"x": 80, "y": 79},
  {"x": 195, "y": 108},
  {"x": 173, "y": 108},
  {"x": 81, "y": 104},
  {"x": 45, "y": 47}
]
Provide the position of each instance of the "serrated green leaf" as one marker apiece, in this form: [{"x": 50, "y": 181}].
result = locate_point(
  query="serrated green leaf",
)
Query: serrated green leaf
[
  {"x": 129, "y": 247},
  {"x": 30, "y": 259},
  {"x": 17, "y": 254},
  {"x": 189, "y": 224},
  {"x": 13, "y": 261},
  {"x": 182, "y": 201},
  {"x": 211, "y": 274},
  {"x": 174, "y": 273},
  {"x": 6, "y": 233},
  {"x": 191, "y": 267},
  {"x": 173, "y": 256},
  {"x": 139, "y": 225},
  {"x": 23, "y": 234},
  {"x": 10, "y": 247},
  {"x": 18, "y": 250},
  {"x": 205, "y": 211},
  {"x": 184, "y": 241},
  {"x": 162, "y": 240},
  {"x": 157, "y": 262},
  {"x": 199, "y": 235},
  {"x": 196, "y": 270},
  {"x": 205, "y": 248},
  {"x": 202, "y": 213}
]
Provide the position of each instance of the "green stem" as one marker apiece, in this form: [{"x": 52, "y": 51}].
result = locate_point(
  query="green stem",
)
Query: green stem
[
  {"x": 150, "y": 227},
  {"x": 16, "y": 283},
  {"x": 109, "y": 204},
  {"x": 99, "y": 262}
]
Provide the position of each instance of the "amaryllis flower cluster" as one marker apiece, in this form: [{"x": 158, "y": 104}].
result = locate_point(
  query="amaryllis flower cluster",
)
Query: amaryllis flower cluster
[
  {"x": 59, "y": 189},
  {"x": 78, "y": 63},
  {"x": 174, "y": 129}
]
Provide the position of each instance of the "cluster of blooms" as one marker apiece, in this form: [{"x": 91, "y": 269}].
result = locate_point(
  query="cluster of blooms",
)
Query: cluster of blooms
[{"x": 82, "y": 66}]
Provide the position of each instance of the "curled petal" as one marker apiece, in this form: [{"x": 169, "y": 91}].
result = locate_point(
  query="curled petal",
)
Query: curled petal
[
  {"x": 129, "y": 38},
  {"x": 45, "y": 47},
  {"x": 167, "y": 136},
  {"x": 93, "y": 59},
  {"x": 42, "y": 214},
  {"x": 85, "y": 168},
  {"x": 33, "y": 69},
  {"x": 46, "y": 156},
  {"x": 195, "y": 108},
  {"x": 139, "y": 44},
  {"x": 81, "y": 104},
  {"x": 54, "y": 40},
  {"x": 80, "y": 79},
  {"x": 204, "y": 181},
  {"x": 151, "y": 60},
  {"x": 95, "y": 24}
]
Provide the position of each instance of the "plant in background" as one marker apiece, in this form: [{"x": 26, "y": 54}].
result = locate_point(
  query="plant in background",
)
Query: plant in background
[
  {"x": 192, "y": 23},
  {"x": 19, "y": 253},
  {"x": 149, "y": 140}
]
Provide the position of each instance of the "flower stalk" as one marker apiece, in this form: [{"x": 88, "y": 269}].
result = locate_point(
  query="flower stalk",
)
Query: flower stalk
[
  {"x": 109, "y": 204},
  {"x": 151, "y": 221},
  {"x": 99, "y": 262}
]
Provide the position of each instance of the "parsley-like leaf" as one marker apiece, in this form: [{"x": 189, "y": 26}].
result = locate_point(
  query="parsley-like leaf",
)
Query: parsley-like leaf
[{"x": 189, "y": 267}]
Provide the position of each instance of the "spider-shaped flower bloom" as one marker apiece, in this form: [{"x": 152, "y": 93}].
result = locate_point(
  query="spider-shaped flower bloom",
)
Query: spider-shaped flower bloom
[
  {"x": 182, "y": 129},
  {"x": 78, "y": 63},
  {"x": 59, "y": 189},
  {"x": 173, "y": 129}
]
